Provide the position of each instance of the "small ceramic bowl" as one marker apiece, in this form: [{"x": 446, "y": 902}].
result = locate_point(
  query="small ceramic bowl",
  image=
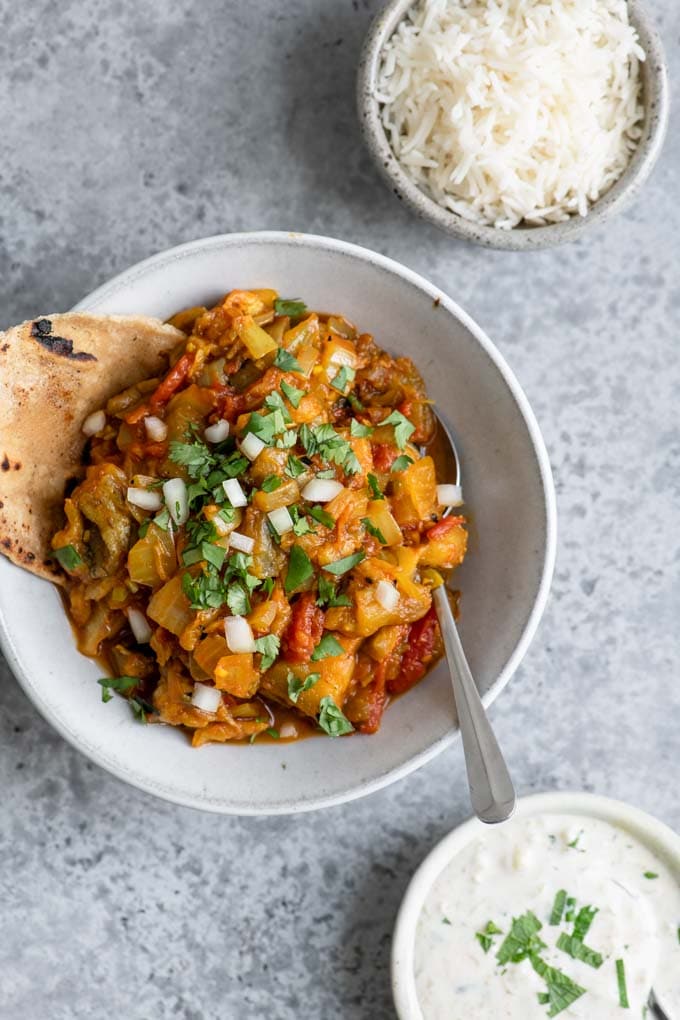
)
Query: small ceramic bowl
[
  {"x": 645, "y": 828},
  {"x": 505, "y": 579},
  {"x": 521, "y": 238}
]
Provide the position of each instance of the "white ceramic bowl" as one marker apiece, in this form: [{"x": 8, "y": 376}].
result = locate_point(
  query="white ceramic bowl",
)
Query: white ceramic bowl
[
  {"x": 505, "y": 580},
  {"x": 657, "y": 836}
]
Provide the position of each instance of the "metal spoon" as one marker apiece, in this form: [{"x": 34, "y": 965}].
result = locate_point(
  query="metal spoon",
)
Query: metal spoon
[
  {"x": 491, "y": 790},
  {"x": 655, "y": 1008}
]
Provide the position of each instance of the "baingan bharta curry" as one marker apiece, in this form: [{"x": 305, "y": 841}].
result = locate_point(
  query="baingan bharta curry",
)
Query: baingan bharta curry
[{"x": 253, "y": 544}]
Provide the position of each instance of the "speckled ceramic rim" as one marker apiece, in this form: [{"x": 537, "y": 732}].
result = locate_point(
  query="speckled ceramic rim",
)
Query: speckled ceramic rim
[
  {"x": 292, "y": 240},
  {"x": 656, "y": 98},
  {"x": 646, "y": 828}
]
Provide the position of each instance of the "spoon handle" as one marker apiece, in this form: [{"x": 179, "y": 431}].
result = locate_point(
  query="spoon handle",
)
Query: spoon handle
[{"x": 491, "y": 790}]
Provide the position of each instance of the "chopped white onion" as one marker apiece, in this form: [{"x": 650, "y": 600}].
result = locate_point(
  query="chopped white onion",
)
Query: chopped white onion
[
  {"x": 241, "y": 542},
  {"x": 252, "y": 447},
  {"x": 234, "y": 492},
  {"x": 175, "y": 493},
  {"x": 145, "y": 499},
  {"x": 340, "y": 356},
  {"x": 221, "y": 526},
  {"x": 321, "y": 490},
  {"x": 156, "y": 429},
  {"x": 387, "y": 595},
  {"x": 94, "y": 423},
  {"x": 218, "y": 432},
  {"x": 288, "y": 730},
  {"x": 281, "y": 520},
  {"x": 208, "y": 699},
  {"x": 139, "y": 625},
  {"x": 449, "y": 495},
  {"x": 239, "y": 634}
]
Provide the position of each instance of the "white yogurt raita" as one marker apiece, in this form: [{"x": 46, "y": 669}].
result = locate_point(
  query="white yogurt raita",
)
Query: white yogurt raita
[{"x": 518, "y": 870}]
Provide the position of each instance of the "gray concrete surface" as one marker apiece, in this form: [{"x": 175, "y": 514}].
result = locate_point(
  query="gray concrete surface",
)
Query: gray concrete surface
[{"x": 134, "y": 125}]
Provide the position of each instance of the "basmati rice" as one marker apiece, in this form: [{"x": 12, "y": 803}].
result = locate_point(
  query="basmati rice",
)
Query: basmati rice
[{"x": 513, "y": 111}]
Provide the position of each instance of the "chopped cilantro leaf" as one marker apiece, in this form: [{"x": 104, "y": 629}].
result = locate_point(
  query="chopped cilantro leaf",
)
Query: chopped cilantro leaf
[
  {"x": 206, "y": 590},
  {"x": 332, "y": 720},
  {"x": 300, "y": 569},
  {"x": 68, "y": 557},
  {"x": 372, "y": 530},
  {"x": 297, "y": 687},
  {"x": 621, "y": 981},
  {"x": 162, "y": 519},
  {"x": 445, "y": 920},
  {"x": 341, "y": 566},
  {"x": 116, "y": 683},
  {"x": 328, "y": 594},
  {"x": 268, "y": 586},
  {"x": 214, "y": 554},
  {"x": 271, "y": 483},
  {"x": 355, "y": 403},
  {"x": 358, "y": 430},
  {"x": 401, "y": 463},
  {"x": 322, "y": 516},
  {"x": 237, "y": 599},
  {"x": 561, "y": 991},
  {"x": 274, "y": 401},
  {"x": 294, "y": 466},
  {"x": 583, "y": 921},
  {"x": 292, "y": 307},
  {"x": 195, "y": 456},
  {"x": 374, "y": 487},
  {"x": 327, "y": 648},
  {"x": 266, "y": 426},
  {"x": 330, "y": 446},
  {"x": 293, "y": 395},
  {"x": 271, "y": 732},
  {"x": 232, "y": 466},
  {"x": 301, "y": 525},
  {"x": 575, "y": 948},
  {"x": 286, "y": 362},
  {"x": 140, "y": 708},
  {"x": 522, "y": 940},
  {"x": 268, "y": 647},
  {"x": 650, "y": 874},
  {"x": 287, "y": 439},
  {"x": 403, "y": 428},
  {"x": 485, "y": 936},
  {"x": 344, "y": 376},
  {"x": 558, "y": 907}
]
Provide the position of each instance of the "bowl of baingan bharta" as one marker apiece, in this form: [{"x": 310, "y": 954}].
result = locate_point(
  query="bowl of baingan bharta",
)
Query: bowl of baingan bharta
[{"x": 225, "y": 501}]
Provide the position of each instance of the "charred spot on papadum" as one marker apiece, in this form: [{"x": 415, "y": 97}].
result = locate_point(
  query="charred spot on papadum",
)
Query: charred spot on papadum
[
  {"x": 5, "y": 464},
  {"x": 41, "y": 330}
]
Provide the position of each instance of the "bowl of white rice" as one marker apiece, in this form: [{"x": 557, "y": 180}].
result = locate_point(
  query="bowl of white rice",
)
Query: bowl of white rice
[{"x": 514, "y": 123}]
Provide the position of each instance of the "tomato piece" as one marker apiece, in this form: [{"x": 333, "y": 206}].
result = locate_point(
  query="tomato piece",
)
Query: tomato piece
[
  {"x": 262, "y": 387},
  {"x": 177, "y": 375},
  {"x": 304, "y": 630},
  {"x": 384, "y": 456},
  {"x": 230, "y": 405},
  {"x": 421, "y": 641},
  {"x": 443, "y": 527}
]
